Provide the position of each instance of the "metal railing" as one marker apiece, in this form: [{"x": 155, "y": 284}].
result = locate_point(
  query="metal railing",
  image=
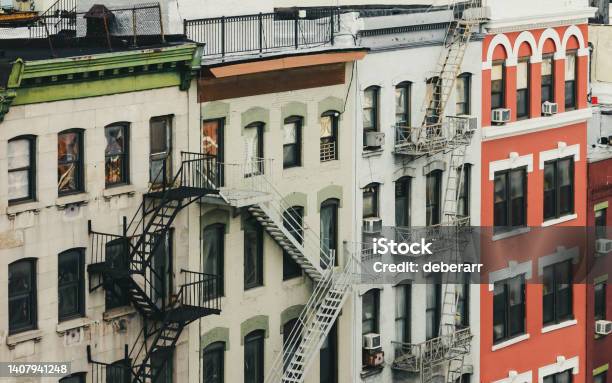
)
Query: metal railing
[
  {"x": 101, "y": 372},
  {"x": 327, "y": 151},
  {"x": 200, "y": 290},
  {"x": 258, "y": 33}
]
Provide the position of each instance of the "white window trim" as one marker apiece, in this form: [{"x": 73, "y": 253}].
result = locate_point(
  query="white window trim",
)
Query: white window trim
[
  {"x": 510, "y": 342},
  {"x": 515, "y": 377},
  {"x": 561, "y": 365},
  {"x": 556, "y": 221},
  {"x": 514, "y": 269},
  {"x": 561, "y": 255},
  {"x": 561, "y": 151},
  {"x": 558, "y": 326},
  {"x": 512, "y": 162}
]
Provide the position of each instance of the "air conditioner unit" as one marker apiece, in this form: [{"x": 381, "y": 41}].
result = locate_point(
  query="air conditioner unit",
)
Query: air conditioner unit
[
  {"x": 603, "y": 327},
  {"x": 466, "y": 124},
  {"x": 371, "y": 341},
  {"x": 372, "y": 225},
  {"x": 549, "y": 108},
  {"x": 603, "y": 246},
  {"x": 374, "y": 139},
  {"x": 500, "y": 115},
  {"x": 374, "y": 358}
]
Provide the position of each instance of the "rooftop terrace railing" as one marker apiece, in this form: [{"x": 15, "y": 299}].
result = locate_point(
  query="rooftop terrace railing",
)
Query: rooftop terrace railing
[{"x": 264, "y": 32}]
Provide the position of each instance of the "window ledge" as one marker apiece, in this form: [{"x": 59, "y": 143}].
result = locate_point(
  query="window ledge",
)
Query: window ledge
[
  {"x": 510, "y": 342},
  {"x": 511, "y": 233},
  {"x": 72, "y": 324},
  {"x": 114, "y": 191},
  {"x": 372, "y": 152},
  {"x": 559, "y": 220},
  {"x": 73, "y": 199},
  {"x": 34, "y": 206},
  {"x": 372, "y": 371},
  {"x": 118, "y": 312},
  {"x": 34, "y": 335},
  {"x": 558, "y": 326}
]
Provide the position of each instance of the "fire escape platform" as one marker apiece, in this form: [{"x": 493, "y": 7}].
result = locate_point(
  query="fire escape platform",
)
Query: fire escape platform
[
  {"x": 186, "y": 314},
  {"x": 242, "y": 198},
  {"x": 180, "y": 193}
]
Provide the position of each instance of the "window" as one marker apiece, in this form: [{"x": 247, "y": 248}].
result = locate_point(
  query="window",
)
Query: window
[
  {"x": 600, "y": 301},
  {"x": 253, "y": 136},
  {"x": 71, "y": 284},
  {"x": 558, "y": 188},
  {"x": 329, "y": 229},
  {"x": 293, "y": 220},
  {"x": 253, "y": 254},
  {"x": 557, "y": 288},
  {"x": 370, "y": 307},
  {"x": 600, "y": 223},
  {"x": 370, "y": 111},
  {"x": 370, "y": 200},
  {"x": 402, "y": 202},
  {"x": 22, "y": 295},
  {"x": 497, "y": 86},
  {"x": 433, "y": 306},
  {"x": 508, "y": 308},
  {"x": 160, "y": 160},
  {"x": 522, "y": 89},
  {"x": 328, "y": 357},
  {"x": 213, "y": 359},
  {"x": 403, "y": 303},
  {"x": 161, "y": 366},
  {"x": 329, "y": 136},
  {"x": 560, "y": 377},
  {"x": 600, "y": 378},
  {"x": 462, "y": 106},
  {"x": 213, "y": 244},
  {"x": 21, "y": 169},
  {"x": 465, "y": 378},
  {"x": 292, "y": 142},
  {"x": 70, "y": 162},
  {"x": 79, "y": 377},
  {"x": 254, "y": 357},
  {"x": 212, "y": 138},
  {"x": 433, "y": 197},
  {"x": 570, "y": 81},
  {"x": 116, "y": 159},
  {"x": 402, "y": 104},
  {"x": 116, "y": 257},
  {"x": 463, "y": 199},
  {"x": 509, "y": 199},
  {"x": 288, "y": 350},
  {"x": 548, "y": 89},
  {"x": 463, "y": 302},
  {"x": 118, "y": 372}
]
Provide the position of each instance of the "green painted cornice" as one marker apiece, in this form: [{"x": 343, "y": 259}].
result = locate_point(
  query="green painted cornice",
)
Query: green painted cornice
[{"x": 8, "y": 95}]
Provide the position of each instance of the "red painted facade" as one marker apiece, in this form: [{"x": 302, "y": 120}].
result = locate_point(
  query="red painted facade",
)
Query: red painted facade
[{"x": 535, "y": 349}]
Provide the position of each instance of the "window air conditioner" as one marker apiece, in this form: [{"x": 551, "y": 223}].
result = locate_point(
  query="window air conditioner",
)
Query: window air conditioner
[
  {"x": 375, "y": 139},
  {"x": 371, "y": 341},
  {"x": 549, "y": 108},
  {"x": 603, "y": 246},
  {"x": 603, "y": 327},
  {"x": 466, "y": 124},
  {"x": 372, "y": 225},
  {"x": 500, "y": 115}
]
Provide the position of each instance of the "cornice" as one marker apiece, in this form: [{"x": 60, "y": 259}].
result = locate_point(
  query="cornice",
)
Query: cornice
[{"x": 518, "y": 24}]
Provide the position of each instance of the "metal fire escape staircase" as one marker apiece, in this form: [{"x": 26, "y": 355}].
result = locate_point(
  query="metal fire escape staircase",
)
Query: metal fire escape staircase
[
  {"x": 444, "y": 355},
  {"x": 130, "y": 263}
]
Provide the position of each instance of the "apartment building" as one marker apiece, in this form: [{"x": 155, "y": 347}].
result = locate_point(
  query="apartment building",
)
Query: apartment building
[{"x": 534, "y": 179}]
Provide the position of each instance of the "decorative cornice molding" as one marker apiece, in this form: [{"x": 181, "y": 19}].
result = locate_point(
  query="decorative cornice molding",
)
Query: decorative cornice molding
[{"x": 518, "y": 26}]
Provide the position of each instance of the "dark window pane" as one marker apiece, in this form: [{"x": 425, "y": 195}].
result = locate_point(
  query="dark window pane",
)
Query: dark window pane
[
  {"x": 214, "y": 363},
  {"x": 433, "y": 197},
  {"x": 600, "y": 301},
  {"x": 370, "y": 201},
  {"x": 293, "y": 222},
  {"x": 212, "y": 253},
  {"x": 254, "y": 357},
  {"x": 253, "y": 254},
  {"x": 22, "y": 296},
  {"x": 402, "y": 202},
  {"x": 369, "y": 312}
]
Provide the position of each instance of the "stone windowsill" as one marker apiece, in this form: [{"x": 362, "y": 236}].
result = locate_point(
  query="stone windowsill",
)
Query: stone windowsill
[
  {"x": 72, "y": 199},
  {"x": 556, "y": 221},
  {"x": 72, "y": 324},
  {"x": 23, "y": 207},
  {"x": 31, "y": 335},
  {"x": 370, "y": 371},
  {"x": 510, "y": 342},
  {"x": 511, "y": 233},
  {"x": 118, "y": 312},
  {"x": 558, "y": 326},
  {"x": 115, "y": 191},
  {"x": 372, "y": 152}
]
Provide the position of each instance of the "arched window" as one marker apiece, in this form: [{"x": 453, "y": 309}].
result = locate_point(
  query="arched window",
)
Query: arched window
[
  {"x": 548, "y": 78},
  {"x": 402, "y": 202},
  {"x": 70, "y": 169},
  {"x": 370, "y": 200},
  {"x": 402, "y": 104},
  {"x": 292, "y": 141},
  {"x": 329, "y": 230},
  {"x": 213, "y": 244},
  {"x": 214, "y": 363},
  {"x": 497, "y": 85},
  {"x": 254, "y": 357},
  {"x": 293, "y": 221},
  {"x": 116, "y": 155},
  {"x": 22, "y": 295},
  {"x": 254, "y": 151},
  {"x": 463, "y": 94},
  {"x": 21, "y": 169},
  {"x": 329, "y": 136},
  {"x": 570, "y": 80}
]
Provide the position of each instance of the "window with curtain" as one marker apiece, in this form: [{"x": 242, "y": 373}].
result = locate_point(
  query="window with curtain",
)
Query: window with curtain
[
  {"x": 433, "y": 306},
  {"x": 548, "y": 85},
  {"x": 558, "y": 188},
  {"x": 433, "y": 197},
  {"x": 71, "y": 284},
  {"x": 254, "y": 147},
  {"x": 402, "y": 202},
  {"x": 329, "y": 136},
  {"x": 370, "y": 308},
  {"x": 22, "y": 296},
  {"x": 522, "y": 89},
  {"x": 213, "y": 254},
  {"x": 560, "y": 377},
  {"x": 292, "y": 142},
  {"x": 21, "y": 156},
  {"x": 370, "y": 200},
  {"x": 570, "y": 81},
  {"x": 510, "y": 206},
  {"x": 293, "y": 221},
  {"x": 403, "y": 303},
  {"x": 214, "y": 363},
  {"x": 329, "y": 229},
  {"x": 463, "y": 207},
  {"x": 497, "y": 86},
  {"x": 370, "y": 111},
  {"x": 508, "y": 308},
  {"x": 160, "y": 146},
  {"x": 557, "y": 293},
  {"x": 253, "y": 254},
  {"x": 402, "y": 104},
  {"x": 116, "y": 158},
  {"x": 254, "y": 357},
  {"x": 463, "y": 85},
  {"x": 70, "y": 162}
]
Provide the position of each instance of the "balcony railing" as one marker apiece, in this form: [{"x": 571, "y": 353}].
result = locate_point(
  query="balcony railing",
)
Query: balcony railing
[
  {"x": 328, "y": 151},
  {"x": 264, "y": 32}
]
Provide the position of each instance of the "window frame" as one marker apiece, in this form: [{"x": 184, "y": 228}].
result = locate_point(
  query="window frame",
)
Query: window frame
[
  {"x": 79, "y": 285},
  {"x": 557, "y": 188},
  {"x": 334, "y": 205},
  {"x": 506, "y": 309},
  {"x": 217, "y": 350},
  {"x": 165, "y": 156},
  {"x": 464, "y": 194},
  {"x": 116, "y": 297},
  {"x": 31, "y": 168},
  {"x": 333, "y": 140},
  {"x": 406, "y": 87},
  {"x": 509, "y": 213},
  {"x": 219, "y": 229},
  {"x": 601, "y": 218},
  {"x": 298, "y": 122},
  {"x": 436, "y": 309},
  {"x": 553, "y": 378},
  {"x": 80, "y": 163},
  {"x": 257, "y": 337},
  {"x": 291, "y": 269},
  {"x": 466, "y": 109},
  {"x": 375, "y": 293},
  {"x": 556, "y": 316},
  {"x": 406, "y": 317},
  {"x": 258, "y": 230},
  {"x": 599, "y": 302},
  {"x": 502, "y": 92},
  {"x": 573, "y": 104},
  {"x": 375, "y": 195},
  {"x": 404, "y": 184},
  {"x": 550, "y": 86},
  {"x": 125, "y": 155},
  {"x": 435, "y": 206},
  {"x": 526, "y": 90},
  {"x": 31, "y": 294}
]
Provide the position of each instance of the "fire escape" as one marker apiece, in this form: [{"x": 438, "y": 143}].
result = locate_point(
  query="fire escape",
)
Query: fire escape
[
  {"x": 136, "y": 263},
  {"x": 443, "y": 356}
]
